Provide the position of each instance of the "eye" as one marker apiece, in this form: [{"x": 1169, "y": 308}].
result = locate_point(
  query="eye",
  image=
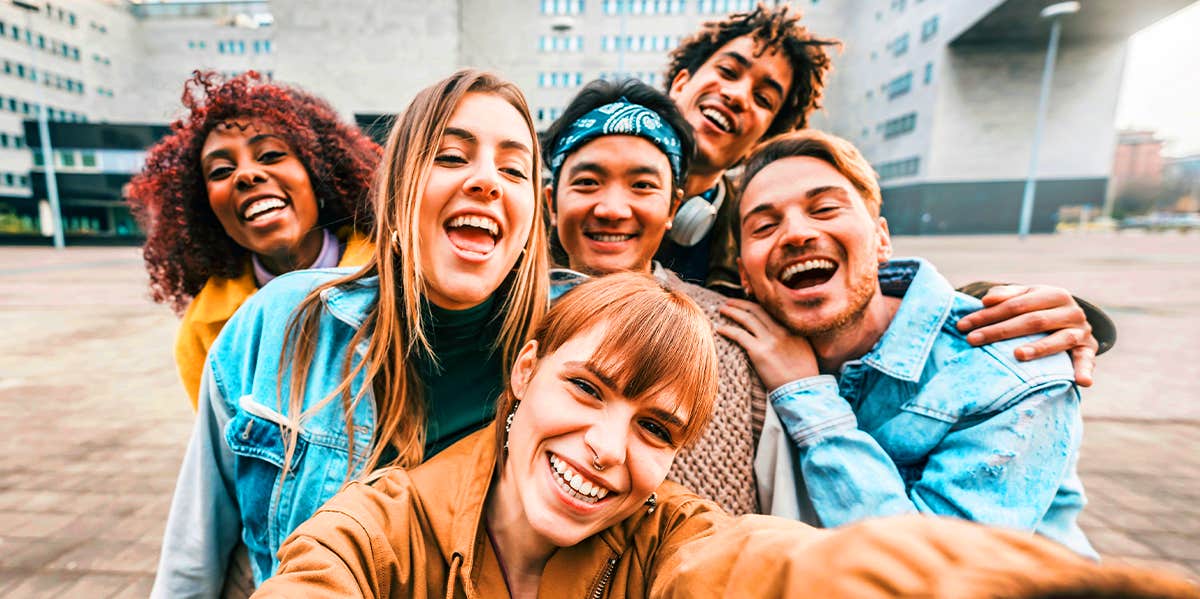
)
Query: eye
[
  {"x": 515, "y": 173},
  {"x": 449, "y": 159},
  {"x": 726, "y": 72},
  {"x": 658, "y": 430},
  {"x": 645, "y": 185},
  {"x": 764, "y": 228},
  {"x": 219, "y": 172},
  {"x": 271, "y": 156},
  {"x": 585, "y": 387},
  {"x": 584, "y": 182},
  {"x": 764, "y": 101},
  {"x": 826, "y": 210}
]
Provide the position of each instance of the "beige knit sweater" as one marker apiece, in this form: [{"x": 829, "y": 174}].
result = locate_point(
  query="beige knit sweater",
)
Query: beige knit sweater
[{"x": 720, "y": 465}]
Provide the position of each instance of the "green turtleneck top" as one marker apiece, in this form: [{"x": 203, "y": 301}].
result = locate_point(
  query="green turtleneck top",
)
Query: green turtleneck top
[{"x": 462, "y": 386}]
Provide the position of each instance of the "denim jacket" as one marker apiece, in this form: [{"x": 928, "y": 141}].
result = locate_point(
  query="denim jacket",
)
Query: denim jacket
[
  {"x": 229, "y": 489},
  {"x": 925, "y": 422}
]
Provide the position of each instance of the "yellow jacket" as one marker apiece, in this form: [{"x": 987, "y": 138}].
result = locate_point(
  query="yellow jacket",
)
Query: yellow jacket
[
  {"x": 221, "y": 297},
  {"x": 418, "y": 533}
]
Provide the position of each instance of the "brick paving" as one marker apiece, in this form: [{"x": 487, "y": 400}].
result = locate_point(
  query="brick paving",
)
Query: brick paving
[{"x": 94, "y": 420}]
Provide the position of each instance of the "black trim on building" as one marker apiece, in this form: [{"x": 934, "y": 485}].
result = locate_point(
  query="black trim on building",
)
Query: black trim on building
[{"x": 983, "y": 206}]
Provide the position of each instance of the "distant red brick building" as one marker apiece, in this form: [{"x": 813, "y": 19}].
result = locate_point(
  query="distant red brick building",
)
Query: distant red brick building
[{"x": 1138, "y": 159}]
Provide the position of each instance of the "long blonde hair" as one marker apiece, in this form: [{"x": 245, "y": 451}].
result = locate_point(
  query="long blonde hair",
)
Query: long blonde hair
[{"x": 393, "y": 328}]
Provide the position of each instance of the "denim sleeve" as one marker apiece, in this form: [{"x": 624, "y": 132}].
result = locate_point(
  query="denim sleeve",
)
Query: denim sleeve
[
  {"x": 204, "y": 525},
  {"x": 1003, "y": 470}
]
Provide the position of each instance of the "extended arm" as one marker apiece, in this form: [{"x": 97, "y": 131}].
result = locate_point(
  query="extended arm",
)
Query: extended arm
[{"x": 204, "y": 524}]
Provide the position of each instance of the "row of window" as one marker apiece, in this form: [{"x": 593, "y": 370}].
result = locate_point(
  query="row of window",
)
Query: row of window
[
  {"x": 899, "y": 86},
  {"x": 69, "y": 159},
  {"x": 898, "y": 126},
  {"x": 270, "y": 75},
  {"x": 929, "y": 28},
  {"x": 25, "y": 108},
  {"x": 12, "y": 140},
  {"x": 644, "y": 7},
  {"x": 560, "y": 79},
  {"x": 104, "y": 60},
  {"x": 560, "y": 43},
  {"x": 48, "y": 79},
  {"x": 639, "y": 43},
  {"x": 104, "y": 92},
  {"x": 548, "y": 114},
  {"x": 39, "y": 41},
  {"x": 899, "y": 45},
  {"x": 64, "y": 16},
  {"x": 648, "y": 77},
  {"x": 234, "y": 46},
  {"x": 906, "y": 167},
  {"x": 14, "y": 180},
  {"x": 649, "y": 7}
]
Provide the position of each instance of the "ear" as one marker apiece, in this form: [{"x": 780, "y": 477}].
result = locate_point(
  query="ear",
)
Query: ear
[
  {"x": 550, "y": 205},
  {"x": 676, "y": 202},
  {"x": 744, "y": 279},
  {"x": 522, "y": 370},
  {"x": 885, "y": 240},
  {"x": 681, "y": 79}
]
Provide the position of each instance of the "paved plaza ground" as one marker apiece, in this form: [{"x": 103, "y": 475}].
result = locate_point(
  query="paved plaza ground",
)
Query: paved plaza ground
[{"x": 94, "y": 421}]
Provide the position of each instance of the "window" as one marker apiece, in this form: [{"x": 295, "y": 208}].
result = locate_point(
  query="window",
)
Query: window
[
  {"x": 88, "y": 158},
  {"x": 562, "y": 7},
  {"x": 9, "y": 180},
  {"x": 900, "y": 125},
  {"x": 643, "y": 7},
  {"x": 898, "y": 5},
  {"x": 37, "y": 159},
  {"x": 929, "y": 28},
  {"x": 906, "y": 167},
  {"x": 66, "y": 158},
  {"x": 928, "y": 73},
  {"x": 899, "y": 45},
  {"x": 18, "y": 141},
  {"x": 3, "y": 140},
  {"x": 899, "y": 86}
]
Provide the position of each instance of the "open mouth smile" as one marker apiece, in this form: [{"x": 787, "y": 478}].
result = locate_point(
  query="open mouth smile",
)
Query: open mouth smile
[
  {"x": 719, "y": 119},
  {"x": 475, "y": 235},
  {"x": 610, "y": 237},
  {"x": 574, "y": 484},
  {"x": 259, "y": 207},
  {"x": 808, "y": 273}
]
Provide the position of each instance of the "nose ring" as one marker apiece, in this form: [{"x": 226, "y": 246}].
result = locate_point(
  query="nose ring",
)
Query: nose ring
[{"x": 596, "y": 463}]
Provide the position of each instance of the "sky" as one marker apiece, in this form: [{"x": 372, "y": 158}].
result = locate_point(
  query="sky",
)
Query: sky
[{"x": 1161, "y": 90}]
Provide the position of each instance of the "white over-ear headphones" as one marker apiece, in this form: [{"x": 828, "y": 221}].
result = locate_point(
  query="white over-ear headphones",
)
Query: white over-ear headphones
[{"x": 695, "y": 218}]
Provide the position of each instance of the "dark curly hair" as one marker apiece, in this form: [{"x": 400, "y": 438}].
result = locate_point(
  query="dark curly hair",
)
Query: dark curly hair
[
  {"x": 185, "y": 242},
  {"x": 772, "y": 28}
]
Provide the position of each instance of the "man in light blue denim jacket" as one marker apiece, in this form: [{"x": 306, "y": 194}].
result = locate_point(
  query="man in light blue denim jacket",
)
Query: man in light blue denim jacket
[{"x": 888, "y": 408}]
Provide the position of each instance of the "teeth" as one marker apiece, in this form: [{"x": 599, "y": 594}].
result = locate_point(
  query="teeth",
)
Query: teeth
[
  {"x": 261, "y": 206},
  {"x": 574, "y": 484},
  {"x": 477, "y": 221},
  {"x": 609, "y": 238},
  {"x": 719, "y": 118},
  {"x": 806, "y": 266}
]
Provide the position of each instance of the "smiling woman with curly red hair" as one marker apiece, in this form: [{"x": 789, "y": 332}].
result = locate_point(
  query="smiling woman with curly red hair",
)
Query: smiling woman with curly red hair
[{"x": 256, "y": 180}]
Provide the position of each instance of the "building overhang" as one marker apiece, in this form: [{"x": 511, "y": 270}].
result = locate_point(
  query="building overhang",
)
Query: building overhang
[{"x": 1019, "y": 22}]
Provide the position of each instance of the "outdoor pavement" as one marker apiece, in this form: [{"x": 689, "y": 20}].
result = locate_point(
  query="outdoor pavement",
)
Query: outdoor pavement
[{"x": 94, "y": 421}]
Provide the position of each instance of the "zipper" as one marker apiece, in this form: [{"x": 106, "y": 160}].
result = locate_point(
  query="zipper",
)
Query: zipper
[{"x": 604, "y": 578}]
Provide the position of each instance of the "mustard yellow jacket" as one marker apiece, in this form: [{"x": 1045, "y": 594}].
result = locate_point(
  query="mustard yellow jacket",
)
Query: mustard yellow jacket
[
  {"x": 221, "y": 297},
  {"x": 419, "y": 533}
]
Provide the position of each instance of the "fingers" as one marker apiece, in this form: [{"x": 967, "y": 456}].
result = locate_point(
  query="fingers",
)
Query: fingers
[
  {"x": 1010, "y": 301},
  {"x": 1083, "y": 358},
  {"x": 749, "y": 315},
  {"x": 1058, "y": 341},
  {"x": 1030, "y": 323},
  {"x": 737, "y": 335}
]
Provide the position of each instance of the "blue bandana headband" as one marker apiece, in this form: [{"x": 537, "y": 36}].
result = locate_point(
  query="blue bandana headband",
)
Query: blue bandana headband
[{"x": 619, "y": 118}]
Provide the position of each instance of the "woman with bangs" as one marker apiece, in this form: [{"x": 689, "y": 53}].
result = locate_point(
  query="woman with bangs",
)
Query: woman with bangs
[
  {"x": 256, "y": 180},
  {"x": 326, "y": 374},
  {"x": 566, "y": 495}
]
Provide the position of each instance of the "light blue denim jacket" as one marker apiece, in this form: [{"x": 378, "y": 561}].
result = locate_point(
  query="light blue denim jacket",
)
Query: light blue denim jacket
[
  {"x": 229, "y": 486},
  {"x": 925, "y": 422}
]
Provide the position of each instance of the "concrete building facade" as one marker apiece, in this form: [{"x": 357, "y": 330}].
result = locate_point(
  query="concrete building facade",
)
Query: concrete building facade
[{"x": 939, "y": 94}]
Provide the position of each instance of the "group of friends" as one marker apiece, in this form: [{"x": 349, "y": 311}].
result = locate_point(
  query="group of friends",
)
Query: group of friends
[{"x": 661, "y": 349}]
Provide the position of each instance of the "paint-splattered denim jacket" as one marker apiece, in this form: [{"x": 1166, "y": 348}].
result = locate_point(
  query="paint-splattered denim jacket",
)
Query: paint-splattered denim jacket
[
  {"x": 229, "y": 488},
  {"x": 925, "y": 422}
]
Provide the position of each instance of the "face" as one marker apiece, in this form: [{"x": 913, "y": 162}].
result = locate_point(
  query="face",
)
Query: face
[
  {"x": 810, "y": 249},
  {"x": 571, "y": 414},
  {"x": 477, "y": 210},
  {"x": 260, "y": 192},
  {"x": 614, "y": 204},
  {"x": 731, "y": 100}
]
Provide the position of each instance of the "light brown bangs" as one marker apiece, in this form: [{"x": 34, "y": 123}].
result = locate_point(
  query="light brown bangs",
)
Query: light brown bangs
[{"x": 656, "y": 342}]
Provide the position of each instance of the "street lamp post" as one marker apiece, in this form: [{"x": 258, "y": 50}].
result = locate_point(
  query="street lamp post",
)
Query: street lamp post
[
  {"x": 1054, "y": 12},
  {"x": 44, "y": 134}
]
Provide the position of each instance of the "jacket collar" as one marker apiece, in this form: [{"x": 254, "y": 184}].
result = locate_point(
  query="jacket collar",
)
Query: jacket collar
[{"x": 904, "y": 348}]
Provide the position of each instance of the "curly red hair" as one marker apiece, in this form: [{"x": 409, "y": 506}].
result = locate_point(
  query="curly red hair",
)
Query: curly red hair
[{"x": 185, "y": 243}]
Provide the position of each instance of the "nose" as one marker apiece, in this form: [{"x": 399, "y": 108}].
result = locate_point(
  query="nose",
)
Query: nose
[
  {"x": 612, "y": 205},
  {"x": 484, "y": 182},
  {"x": 608, "y": 439},
  {"x": 736, "y": 93},
  {"x": 248, "y": 177},
  {"x": 796, "y": 232}
]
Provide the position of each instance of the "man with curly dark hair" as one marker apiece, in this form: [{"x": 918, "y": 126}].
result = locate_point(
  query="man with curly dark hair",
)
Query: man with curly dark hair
[
  {"x": 255, "y": 180},
  {"x": 737, "y": 80}
]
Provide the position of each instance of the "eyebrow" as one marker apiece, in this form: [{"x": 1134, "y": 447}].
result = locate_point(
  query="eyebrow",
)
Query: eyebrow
[
  {"x": 745, "y": 62},
  {"x": 596, "y": 167},
  {"x": 661, "y": 414},
  {"x": 467, "y": 136},
  {"x": 808, "y": 195},
  {"x": 668, "y": 417}
]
